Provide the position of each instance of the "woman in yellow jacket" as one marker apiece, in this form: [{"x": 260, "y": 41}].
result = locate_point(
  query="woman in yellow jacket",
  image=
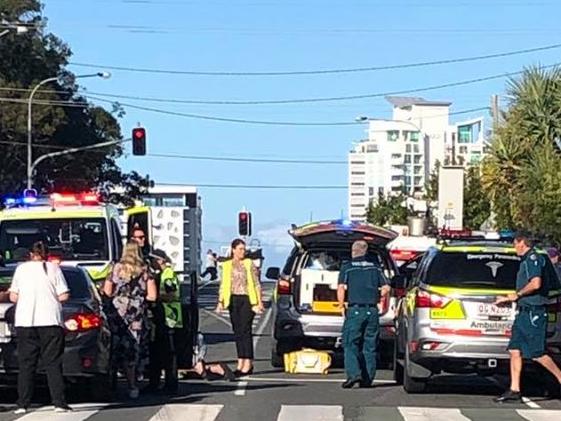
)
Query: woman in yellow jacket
[{"x": 240, "y": 293}]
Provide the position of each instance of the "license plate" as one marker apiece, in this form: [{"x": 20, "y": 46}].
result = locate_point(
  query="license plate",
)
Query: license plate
[{"x": 488, "y": 310}]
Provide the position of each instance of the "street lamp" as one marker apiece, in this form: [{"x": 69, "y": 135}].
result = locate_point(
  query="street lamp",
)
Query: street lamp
[
  {"x": 19, "y": 28},
  {"x": 104, "y": 75}
]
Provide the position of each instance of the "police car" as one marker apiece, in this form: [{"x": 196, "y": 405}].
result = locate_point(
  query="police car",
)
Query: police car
[
  {"x": 448, "y": 322},
  {"x": 78, "y": 229}
]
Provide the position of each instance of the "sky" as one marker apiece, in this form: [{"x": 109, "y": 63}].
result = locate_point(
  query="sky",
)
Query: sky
[{"x": 286, "y": 35}]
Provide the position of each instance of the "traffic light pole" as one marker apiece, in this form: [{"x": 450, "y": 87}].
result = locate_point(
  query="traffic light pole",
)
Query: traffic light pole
[{"x": 66, "y": 152}]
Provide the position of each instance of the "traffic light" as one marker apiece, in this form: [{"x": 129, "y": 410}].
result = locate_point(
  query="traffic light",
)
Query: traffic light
[
  {"x": 244, "y": 224},
  {"x": 139, "y": 141}
]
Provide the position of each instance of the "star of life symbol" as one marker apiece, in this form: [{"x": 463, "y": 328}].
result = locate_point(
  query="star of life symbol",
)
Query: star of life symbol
[{"x": 494, "y": 266}]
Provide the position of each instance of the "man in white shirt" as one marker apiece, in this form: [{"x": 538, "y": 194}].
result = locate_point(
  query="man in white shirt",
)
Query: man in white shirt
[
  {"x": 39, "y": 289},
  {"x": 211, "y": 262}
]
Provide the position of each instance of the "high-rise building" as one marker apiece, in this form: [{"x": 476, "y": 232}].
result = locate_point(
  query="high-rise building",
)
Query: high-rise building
[{"x": 399, "y": 154}]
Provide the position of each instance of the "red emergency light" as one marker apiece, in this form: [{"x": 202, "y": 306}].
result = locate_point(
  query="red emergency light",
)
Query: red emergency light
[{"x": 72, "y": 199}]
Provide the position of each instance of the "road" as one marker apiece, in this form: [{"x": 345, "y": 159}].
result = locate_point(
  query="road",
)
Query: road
[{"x": 270, "y": 394}]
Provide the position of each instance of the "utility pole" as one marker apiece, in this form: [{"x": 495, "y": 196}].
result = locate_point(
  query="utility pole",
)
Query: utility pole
[
  {"x": 453, "y": 148},
  {"x": 495, "y": 111}
]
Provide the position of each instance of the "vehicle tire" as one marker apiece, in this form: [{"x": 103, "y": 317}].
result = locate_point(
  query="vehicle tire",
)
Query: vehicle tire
[
  {"x": 397, "y": 365},
  {"x": 411, "y": 384},
  {"x": 277, "y": 360},
  {"x": 103, "y": 387}
]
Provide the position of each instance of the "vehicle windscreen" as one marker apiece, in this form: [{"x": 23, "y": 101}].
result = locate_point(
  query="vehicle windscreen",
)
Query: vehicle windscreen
[
  {"x": 69, "y": 239},
  {"x": 332, "y": 260},
  {"x": 77, "y": 282},
  {"x": 474, "y": 270}
]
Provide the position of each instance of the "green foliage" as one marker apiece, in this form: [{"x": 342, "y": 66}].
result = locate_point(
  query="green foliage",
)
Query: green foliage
[
  {"x": 28, "y": 59},
  {"x": 431, "y": 187},
  {"x": 477, "y": 208},
  {"x": 521, "y": 175},
  {"x": 388, "y": 210}
]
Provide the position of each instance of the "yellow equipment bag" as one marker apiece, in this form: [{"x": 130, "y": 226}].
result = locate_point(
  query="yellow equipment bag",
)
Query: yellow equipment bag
[{"x": 307, "y": 361}]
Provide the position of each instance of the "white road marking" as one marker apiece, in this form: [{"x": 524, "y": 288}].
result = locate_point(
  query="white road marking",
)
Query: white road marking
[
  {"x": 431, "y": 414},
  {"x": 264, "y": 322},
  {"x": 530, "y": 403},
  {"x": 297, "y": 379},
  {"x": 206, "y": 284},
  {"x": 191, "y": 412},
  {"x": 80, "y": 412},
  {"x": 541, "y": 415},
  {"x": 310, "y": 412},
  {"x": 240, "y": 391},
  {"x": 216, "y": 316}
]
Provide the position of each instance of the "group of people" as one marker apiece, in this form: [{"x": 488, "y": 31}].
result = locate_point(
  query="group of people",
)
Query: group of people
[{"x": 142, "y": 300}]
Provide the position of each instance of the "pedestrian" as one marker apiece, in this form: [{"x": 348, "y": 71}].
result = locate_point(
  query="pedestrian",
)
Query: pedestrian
[
  {"x": 362, "y": 282},
  {"x": 240, "y": 293},
  {"x": 130, "y": 287},
  {"x": 38, "y": 288},
  {"x": 528, "y": 339},
  {"x": 553, "y": 253},
  {"x": 211, "y": 266},
  {"x": 167, "y": 318}
]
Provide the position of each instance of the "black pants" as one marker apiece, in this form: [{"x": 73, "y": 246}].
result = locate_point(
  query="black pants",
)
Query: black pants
[
  {"x": 212, "y": 271},
  {"x": 241, "y": 316},
  {"x": 46, "y": 343},
  {"x": 163, "y": 355}
]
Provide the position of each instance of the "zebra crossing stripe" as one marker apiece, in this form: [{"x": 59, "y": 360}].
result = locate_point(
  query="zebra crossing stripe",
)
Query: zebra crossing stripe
[
  {"x": 191, "y": 412},
  {"x": 310, "y": 412},
  {"x": 539, "y": 415},
  {"x": 79, "y": 413},
  {"x": 431, "y": 414}
]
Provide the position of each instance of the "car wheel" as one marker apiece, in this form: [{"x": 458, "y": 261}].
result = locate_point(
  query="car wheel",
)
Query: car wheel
[
  {"x": 411, "y": 384},
  {"x": 397, "y": 364}
]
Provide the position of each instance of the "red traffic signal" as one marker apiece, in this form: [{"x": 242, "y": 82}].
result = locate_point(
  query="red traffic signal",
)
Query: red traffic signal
[
  {"x": 244, "y": 224},
  {"x": 139, "y": 141}
]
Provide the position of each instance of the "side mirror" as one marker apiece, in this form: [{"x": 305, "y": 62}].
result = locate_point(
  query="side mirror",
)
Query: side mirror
[{"x": 273, "y": 273}]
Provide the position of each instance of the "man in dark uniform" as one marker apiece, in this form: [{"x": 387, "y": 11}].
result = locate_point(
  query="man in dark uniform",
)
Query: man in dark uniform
[
  {"x": 361, "y": 280},
  {"x": 528, "y": 340}
]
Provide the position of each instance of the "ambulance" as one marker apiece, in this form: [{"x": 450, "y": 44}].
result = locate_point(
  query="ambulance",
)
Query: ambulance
[{"x": 79, "y": 230}]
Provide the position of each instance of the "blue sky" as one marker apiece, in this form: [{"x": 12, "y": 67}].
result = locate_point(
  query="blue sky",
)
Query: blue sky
[{"x": 277, "y": 35}]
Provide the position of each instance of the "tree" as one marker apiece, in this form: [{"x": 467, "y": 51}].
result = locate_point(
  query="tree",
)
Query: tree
[
  {"x": 477, "y": 207},
  {"x": 62, "y": 118},
  {"x": 388, "y": 210},
  {"x": 431, "y": 187},
  {"x": 521, "y": 174}
]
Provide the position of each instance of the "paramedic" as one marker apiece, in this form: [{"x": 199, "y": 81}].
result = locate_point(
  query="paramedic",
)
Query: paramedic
[{"x": 361, "y": 280}]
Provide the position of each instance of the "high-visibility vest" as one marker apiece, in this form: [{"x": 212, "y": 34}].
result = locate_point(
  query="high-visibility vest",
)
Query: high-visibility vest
[
  {"x": 226, "y": 284},
  {"x": 169, "y": 284}
]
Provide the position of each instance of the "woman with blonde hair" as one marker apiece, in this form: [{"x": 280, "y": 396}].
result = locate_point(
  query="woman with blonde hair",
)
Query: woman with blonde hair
[{"x": 130, "y": 286}]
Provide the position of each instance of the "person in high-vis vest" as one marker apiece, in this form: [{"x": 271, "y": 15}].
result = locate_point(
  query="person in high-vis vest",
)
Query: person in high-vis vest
[
  {"x": 240, "y": 293},
  {"x": 167, "y": 318}
]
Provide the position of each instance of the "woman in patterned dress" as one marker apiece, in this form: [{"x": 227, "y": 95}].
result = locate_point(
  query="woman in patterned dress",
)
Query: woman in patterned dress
[{"x": 131, "y": 287}]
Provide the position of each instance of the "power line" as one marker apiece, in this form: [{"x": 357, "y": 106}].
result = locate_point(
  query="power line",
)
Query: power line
[
  {"x": 256, "y": 160},
  {"x": 46, "y": 102},
  {"x": 261, "y": 187},
  {"x": 335, "y": 98},
  {"x": 325, "y": 71}
]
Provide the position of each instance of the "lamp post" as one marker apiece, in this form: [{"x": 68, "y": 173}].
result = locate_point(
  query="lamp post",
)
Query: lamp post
[
  {"x": 19, "y": 28},
  {"x": 104, "y": 75}
]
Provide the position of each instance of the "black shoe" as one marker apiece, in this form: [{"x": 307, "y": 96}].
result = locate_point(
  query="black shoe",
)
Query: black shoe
[
  {"x": 509, "y": 397},
  {"x": 350, "y": 383},
  {"x": 228, "y": 374}
]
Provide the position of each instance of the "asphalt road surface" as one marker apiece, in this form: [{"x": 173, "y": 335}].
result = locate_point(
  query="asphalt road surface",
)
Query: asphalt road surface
[{"x": 270, "y": 394}]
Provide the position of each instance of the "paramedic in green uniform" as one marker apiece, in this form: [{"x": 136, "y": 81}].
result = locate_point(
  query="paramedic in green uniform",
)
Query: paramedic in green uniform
[
  {"x": 167, "y": 318},
  {"x": 362, "y": 282},
  {"x": 528, "y": 340}
]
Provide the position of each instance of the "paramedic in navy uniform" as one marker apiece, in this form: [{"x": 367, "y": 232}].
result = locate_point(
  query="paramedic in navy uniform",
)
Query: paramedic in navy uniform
[{"x": 361, "y": 280}]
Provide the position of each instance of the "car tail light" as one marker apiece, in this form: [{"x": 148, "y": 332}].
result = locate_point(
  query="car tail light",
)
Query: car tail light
[
  {"x": 385, "y": 303},
  {"x": 283, "y": 287},
  {"x": 82, "y": 322},
  {"x": 427, "y": 300},
  {"x": 430, "y": 346},
  {"x": 403, "y": 255}
]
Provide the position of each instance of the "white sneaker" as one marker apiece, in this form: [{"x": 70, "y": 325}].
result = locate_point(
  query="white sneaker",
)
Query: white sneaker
[
  {"x": 20, "y": 411},
  {"x": 60, "y": 409},
  {"x": 134, "y": 393}
]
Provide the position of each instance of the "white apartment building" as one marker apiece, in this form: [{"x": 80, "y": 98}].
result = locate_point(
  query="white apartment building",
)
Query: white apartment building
[{"x": 400, "y": 153}]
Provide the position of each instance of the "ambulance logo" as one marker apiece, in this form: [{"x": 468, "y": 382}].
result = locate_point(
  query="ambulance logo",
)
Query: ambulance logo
[{"x": 494, "y": 266}]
